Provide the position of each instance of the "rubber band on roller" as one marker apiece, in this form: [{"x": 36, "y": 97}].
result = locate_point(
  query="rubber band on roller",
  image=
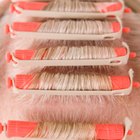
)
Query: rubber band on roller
[
  {"x": 28, "y": 54},
  {"x": 24, "y": 58}
]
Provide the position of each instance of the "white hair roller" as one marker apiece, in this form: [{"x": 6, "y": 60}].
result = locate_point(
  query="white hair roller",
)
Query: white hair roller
[
  {"x": 77, "y": 9},
  {"x": 56, "y": 29}
]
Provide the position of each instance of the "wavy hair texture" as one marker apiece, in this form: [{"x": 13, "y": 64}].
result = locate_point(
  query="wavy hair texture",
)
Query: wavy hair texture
[{"x": 64, "y": 131}]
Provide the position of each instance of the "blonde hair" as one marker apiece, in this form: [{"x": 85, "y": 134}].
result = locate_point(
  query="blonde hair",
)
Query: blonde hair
[
  {"x": 77, "y": 26},
  {"x": 68, "y": 79},
  {"x": 69, "y": 50},
  {"x": 76, "y": 5},
  {"x": 69, "y": 53},
  {"x": 64, "y": 131}
]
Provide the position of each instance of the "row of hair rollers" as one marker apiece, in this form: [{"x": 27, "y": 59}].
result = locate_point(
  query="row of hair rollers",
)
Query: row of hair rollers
[
  {"x": 20, "y": 29},
  {"x": 99, "y": 136},
  {"x": 23, "y": 57}
]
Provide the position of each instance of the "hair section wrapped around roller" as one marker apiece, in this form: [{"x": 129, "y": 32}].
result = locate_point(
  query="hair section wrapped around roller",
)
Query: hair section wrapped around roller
[
  {"x": 72, "y": 54},
  {"x": 69, "y": 131},
  {"x": 58, "y": 29},
  {"x": 70, "y": 9},
  {"x": 72, "y": 81}
]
